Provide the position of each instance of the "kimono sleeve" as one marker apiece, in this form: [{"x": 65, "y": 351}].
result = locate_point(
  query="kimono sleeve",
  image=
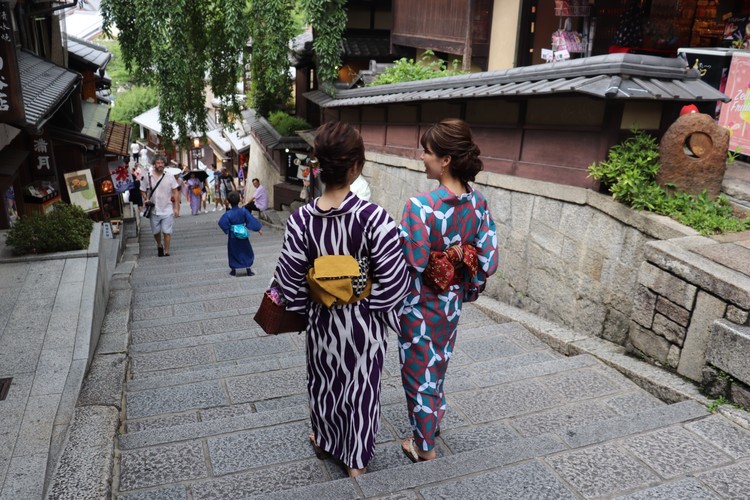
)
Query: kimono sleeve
[
  {"x": 293, "y": 264},
  {"x": 387, "y": 263},
  {"x": 486, "y": 245},
  {"x": 415, "y": 235},
  {"x": 224, "y": 223},
  {"x": 251, "y": 222}
]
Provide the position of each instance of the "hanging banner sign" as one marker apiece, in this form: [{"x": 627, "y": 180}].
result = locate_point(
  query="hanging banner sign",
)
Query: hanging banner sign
[
  {"x": 11, "y": 101},
  {"x": 42, "y": 160}
]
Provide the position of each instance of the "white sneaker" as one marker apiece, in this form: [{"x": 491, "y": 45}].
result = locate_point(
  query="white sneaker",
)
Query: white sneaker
[
  {"x": 205, "y": 211},
  {"x": 214, "y": 209}
]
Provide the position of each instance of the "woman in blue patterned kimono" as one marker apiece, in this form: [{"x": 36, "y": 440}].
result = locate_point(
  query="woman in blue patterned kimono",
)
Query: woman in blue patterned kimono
[
  {"x": 449, "y": 241},
  {"x": 239, "y": 251},
  {"x": 345, "y": 343}
]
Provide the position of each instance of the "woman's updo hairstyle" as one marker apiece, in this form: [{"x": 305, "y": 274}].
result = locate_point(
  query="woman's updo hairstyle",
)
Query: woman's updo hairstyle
[
  {"x": 338, "y": 147},
  {"x": 452, "y": 137}
]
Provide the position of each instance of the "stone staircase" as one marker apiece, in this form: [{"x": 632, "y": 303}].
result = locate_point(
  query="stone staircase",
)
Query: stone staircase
[{"x": 215, "y": 409}]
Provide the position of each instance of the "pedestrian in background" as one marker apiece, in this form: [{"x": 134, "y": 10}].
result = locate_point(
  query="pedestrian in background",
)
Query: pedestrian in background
[
  {"x": 259, "y": 201},
  {"x": 346, "y": 339},
  {"x": 195, "y": 192},
  {"x": 449, "y": 240},
  {"x": 135, "y": 150},
  {"x": 239, "y": 251},
  {"x": 161, "y": 190},
  {"x": 226, "y": 186}
]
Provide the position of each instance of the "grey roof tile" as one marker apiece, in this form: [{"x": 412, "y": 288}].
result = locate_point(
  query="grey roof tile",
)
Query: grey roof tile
[
  {"x": 88, "y": 52},
  {"x": 611, "y": 76},
  {"x": 44, "y": 86}
]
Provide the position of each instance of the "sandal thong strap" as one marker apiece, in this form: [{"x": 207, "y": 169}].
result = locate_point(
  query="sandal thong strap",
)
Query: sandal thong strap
[{"x": 410, "y": 451}]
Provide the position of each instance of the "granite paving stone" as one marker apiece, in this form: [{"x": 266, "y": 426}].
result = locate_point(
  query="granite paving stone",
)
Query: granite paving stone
[
  {"x": 252, "y": 347},
  {"x": 51, "y": 371},
  {"x": 455, "y": 466},
  {"x": 267, "y": 385},
  {"x": 729, "y": 482},
  {"x": 282, "y": 402},
  {"x": 171, "y": 493},
  {"x": 180, "y": 320},
  {"x": 333, "y": 490},
  {"x": 531, "y": 480},
  {"x": 657, "y": 450},
  {"x": 684, "y": 489},
  {"x": 260, "y": 482},
  {"x": 479, "y": 436},
  {"x": 601, "y": 470},
  {"x": 490, "y": 348},
  {"x": 226, "y": 411},
  {"x": 554, "y": 420},
  {"x": 507, "y": 401},
  {"x": 162, "y": 422},
  {"x": 728, "y": 437},
  {"x": 165, "y": 332},
  {"x": 582, "y": 384},
  {"x": 146, "y": 313},
  {"x": 182, "y": 432},
  {"x": 163, "y": 345},
  {"x": 228, "y": 323},
  {"x": 197, "y": 373},
  {"x": 511, "y": 374},
  {"x": 643, "y": 421},
  {"x": 162, "y": 465},
  {"x": 25, "y": 477},
  {"x": 164, "y": 360},
  {"x": 633, "y": 402},
  {"x": 36, "y": 427},
  {"x": 152, "y": 402},
  {"x": 260, "y": 447},
  {"x": 104, "y": 382}
]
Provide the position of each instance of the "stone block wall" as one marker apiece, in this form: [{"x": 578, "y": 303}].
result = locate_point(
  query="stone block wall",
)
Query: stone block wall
[
  {"x": 567, "y": 254},
  {"x": 679, "y": 297}
]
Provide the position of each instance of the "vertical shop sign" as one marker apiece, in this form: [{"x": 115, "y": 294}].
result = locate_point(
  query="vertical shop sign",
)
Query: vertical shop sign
[
  {"x": 11, "y": 103},
  {"x": 735, "y": 114},
  {"x": 42, "y": 159}
]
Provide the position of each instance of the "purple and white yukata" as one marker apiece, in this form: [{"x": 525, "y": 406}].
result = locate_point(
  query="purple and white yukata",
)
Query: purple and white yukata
[
  {"x": 433, "y": 222},
  {"x": 345, "y": 344}
]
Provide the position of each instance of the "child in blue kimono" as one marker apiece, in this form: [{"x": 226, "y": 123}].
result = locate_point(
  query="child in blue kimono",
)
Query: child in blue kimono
[{"x": 235, "y": 223}]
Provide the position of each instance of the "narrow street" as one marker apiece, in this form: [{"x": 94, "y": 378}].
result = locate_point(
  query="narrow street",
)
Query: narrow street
[{"x": 216, "y": 409}]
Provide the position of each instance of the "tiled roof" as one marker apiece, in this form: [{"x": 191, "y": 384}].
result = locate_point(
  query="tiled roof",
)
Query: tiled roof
[
  {"x": 217, "y": 139},
  {"x": 268, "y": 135},
  {"x": 44, "y": 86},
  {"x": 88, "y": 52},
  {"x": 612, "y": 76},
  {"x": 366, "y": 46}
]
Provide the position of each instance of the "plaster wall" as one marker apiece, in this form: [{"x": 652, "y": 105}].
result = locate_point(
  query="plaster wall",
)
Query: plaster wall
[
  {"x": 505, "y": 24},
  {"x": 262, "y": 167}
]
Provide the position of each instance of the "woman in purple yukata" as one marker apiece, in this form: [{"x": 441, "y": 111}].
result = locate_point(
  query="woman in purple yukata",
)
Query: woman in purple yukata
[
  {"x": 449, "y": 241},
  {"x": 194, "y": 185},
  {"x": 346, "y": 342}
]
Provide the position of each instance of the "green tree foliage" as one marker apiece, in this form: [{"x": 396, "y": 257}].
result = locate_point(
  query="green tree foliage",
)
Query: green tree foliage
[
  {"x": 65, "y": 228},
  {"x": 629, "y": 172},
  {"x": 286, "y": 124},
  {"x": 328, "y": 19},
  {"x": 133, "y": 102},
  {"x": 271, "y": 28},
  {"x": 176, "y": 45},
  {"x": 408, "y": 70}
]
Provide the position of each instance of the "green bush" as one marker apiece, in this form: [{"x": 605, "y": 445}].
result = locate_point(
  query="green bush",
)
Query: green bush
[
  {"x": 408, "y": 70},
  {"x": 65, "y": 228},
  {"x": 133, "y": 102},
  {"x": 629, "y": 172},
  {"x": 286, "y": 124}
]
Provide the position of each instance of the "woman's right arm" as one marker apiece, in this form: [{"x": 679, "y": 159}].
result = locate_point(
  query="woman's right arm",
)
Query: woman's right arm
[{"x": 293, "y": 264}]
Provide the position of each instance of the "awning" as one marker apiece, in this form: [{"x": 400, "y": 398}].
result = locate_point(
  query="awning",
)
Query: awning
[
  {"x": 149, "y": 120},
  {"x": 219, "y": 143},
  {"x": 94, "y": 119},
  {"x": 12, "y": 160},
  {"x": 239, "y": 142},
  {"x": 88, "y": 53},
  {"x": 117, "y": 138}
]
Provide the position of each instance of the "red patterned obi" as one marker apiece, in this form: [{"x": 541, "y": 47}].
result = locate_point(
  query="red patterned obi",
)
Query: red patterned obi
[{"x": 442, "y": 269}]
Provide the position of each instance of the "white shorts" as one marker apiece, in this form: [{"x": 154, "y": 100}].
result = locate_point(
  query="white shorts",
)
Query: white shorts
[{"x": 162, "y": 223}]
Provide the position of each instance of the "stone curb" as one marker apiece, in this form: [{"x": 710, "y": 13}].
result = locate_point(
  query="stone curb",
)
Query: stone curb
[{"x": 665, "y": 385}]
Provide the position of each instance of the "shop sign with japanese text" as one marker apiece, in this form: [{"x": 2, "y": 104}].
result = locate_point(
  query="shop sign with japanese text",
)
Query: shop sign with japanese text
[
  {"x": 42, "y": 160},
  {"x": 11, "y": 103}
]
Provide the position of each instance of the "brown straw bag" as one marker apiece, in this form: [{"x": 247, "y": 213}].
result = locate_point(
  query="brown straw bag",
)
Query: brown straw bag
[{"x": 274, "y": 318}]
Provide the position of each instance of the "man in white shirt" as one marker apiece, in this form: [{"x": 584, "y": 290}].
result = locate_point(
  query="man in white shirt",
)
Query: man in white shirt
[
  {"x": 135, "y": 150},
  {"x": 162, "y": 191}
]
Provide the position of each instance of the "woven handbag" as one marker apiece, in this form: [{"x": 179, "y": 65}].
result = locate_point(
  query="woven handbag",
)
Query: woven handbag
[{"x": 274, "y": 318}]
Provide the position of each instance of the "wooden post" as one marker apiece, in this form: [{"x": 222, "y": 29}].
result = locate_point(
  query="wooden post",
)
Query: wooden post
[{"x": 466, "y": 62}]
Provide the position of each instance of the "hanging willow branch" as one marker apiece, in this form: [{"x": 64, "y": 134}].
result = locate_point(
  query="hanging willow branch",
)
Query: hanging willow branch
[{"x": 328, "y": 19}]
